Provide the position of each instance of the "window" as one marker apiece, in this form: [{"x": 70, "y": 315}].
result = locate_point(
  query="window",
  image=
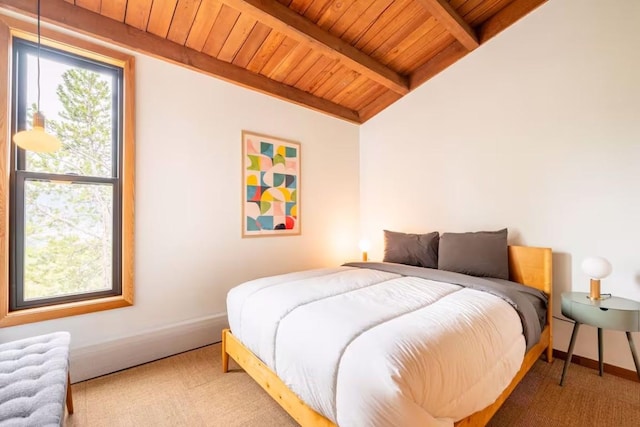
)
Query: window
[{"x": 70, "y": 225}]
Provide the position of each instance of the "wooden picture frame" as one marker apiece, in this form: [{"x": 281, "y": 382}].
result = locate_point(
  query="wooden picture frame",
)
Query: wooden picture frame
[{"x": 270, "y": 186}]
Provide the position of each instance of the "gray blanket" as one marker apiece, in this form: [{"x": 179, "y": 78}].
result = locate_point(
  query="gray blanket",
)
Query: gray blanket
[{"x": 512, "y": 292}]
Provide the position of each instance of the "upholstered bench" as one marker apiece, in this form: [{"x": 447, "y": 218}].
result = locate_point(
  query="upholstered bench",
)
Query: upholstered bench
[{"x": 34, "y": 381}]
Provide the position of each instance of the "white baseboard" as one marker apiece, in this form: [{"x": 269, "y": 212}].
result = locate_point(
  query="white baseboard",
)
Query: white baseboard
[{"x": 111, "y": 356}]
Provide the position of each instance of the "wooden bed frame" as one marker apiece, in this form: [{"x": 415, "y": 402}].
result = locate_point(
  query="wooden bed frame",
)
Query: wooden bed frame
[{"x": 527, "y": 265}]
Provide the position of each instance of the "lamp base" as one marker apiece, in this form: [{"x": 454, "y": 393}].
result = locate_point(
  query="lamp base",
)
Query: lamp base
[{"x": 594, "y": 293}]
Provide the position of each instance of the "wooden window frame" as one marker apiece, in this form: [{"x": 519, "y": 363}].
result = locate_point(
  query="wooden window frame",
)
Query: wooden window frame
[{"x": 10, "y": 27}]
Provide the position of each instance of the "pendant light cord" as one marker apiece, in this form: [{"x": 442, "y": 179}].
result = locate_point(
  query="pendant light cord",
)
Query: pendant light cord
[{"x": 38, "y": 55}]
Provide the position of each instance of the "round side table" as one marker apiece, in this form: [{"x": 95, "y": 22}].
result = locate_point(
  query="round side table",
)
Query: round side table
[{"x": 616, "y": 313}]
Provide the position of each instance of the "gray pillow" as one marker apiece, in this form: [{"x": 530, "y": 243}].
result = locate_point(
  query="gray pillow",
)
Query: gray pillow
[
  {"x": 411, "y": 249},
  {"x": 483, "y": 254}
]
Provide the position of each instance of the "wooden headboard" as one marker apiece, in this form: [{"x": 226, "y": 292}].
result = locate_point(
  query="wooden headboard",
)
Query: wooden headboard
[{"x": 532, "y": 267}]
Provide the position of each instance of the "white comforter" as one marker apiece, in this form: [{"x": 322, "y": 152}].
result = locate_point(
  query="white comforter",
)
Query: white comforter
[{"x": 371, "y": 348}]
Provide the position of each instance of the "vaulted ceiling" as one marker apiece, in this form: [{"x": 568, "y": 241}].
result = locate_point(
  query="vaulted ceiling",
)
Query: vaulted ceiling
[{"x": 347, "y": 58}]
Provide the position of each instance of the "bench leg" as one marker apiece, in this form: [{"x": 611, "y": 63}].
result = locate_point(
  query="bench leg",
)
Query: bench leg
[{"x": 69, "y": 397}]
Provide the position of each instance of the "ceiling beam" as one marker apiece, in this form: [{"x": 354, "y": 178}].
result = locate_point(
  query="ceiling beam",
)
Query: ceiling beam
[
  {"x": 447, "y": 16},
  {"x": 506, "y": 17},
  {"x": 377, "y": 105},
  {"x": 439, "y": 62},
  {"x": 64, "y": 14},
  {"x": 286, "y": 21}
]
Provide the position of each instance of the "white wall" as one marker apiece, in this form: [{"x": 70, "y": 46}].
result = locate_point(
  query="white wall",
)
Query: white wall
[
  {"x": 189, "y": 252},
  {"x": 537, "y": 131}
]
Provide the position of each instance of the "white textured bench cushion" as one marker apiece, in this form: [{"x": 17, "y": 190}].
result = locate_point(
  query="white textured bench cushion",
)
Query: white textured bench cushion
[{"x": 33, "y": 380}]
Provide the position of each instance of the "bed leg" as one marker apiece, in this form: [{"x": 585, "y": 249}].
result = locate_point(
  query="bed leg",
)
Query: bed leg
[
  {"x": 550, "y": 354},
  {"x": 225, "y": 356},
  {"x": 69, "y": 396}
]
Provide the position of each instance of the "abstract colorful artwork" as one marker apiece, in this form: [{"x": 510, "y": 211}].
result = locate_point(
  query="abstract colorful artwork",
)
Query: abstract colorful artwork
[{"x": 271, "y": 186}]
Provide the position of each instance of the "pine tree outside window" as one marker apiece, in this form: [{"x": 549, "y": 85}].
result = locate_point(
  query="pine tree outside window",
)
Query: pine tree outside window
[{"x": 71, "y": 211}]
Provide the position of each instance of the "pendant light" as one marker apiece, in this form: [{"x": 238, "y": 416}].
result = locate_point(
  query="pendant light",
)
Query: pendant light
[{"x": 37, "y": 139}]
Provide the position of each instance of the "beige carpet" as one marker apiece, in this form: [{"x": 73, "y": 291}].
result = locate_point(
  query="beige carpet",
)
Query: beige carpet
[{"x": 190, "y": 390}]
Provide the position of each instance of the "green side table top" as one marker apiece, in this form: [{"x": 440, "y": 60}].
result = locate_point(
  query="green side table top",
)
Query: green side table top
[{"x": 609, "y": 313}]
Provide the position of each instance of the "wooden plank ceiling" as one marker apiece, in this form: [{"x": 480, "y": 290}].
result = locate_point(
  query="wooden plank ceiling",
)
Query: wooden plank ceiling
[{"x": 347, "y": 58}]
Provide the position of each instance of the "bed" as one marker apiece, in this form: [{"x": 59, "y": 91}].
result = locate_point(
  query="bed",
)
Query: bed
[{"x": 338, "y": 365}]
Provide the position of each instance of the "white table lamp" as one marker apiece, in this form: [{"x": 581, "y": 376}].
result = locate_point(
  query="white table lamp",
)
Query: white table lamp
[{"x": 596, "y": 268}]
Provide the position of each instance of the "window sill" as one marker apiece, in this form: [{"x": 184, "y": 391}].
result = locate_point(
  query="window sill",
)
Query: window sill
[{"x": 39, "y": 314}]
